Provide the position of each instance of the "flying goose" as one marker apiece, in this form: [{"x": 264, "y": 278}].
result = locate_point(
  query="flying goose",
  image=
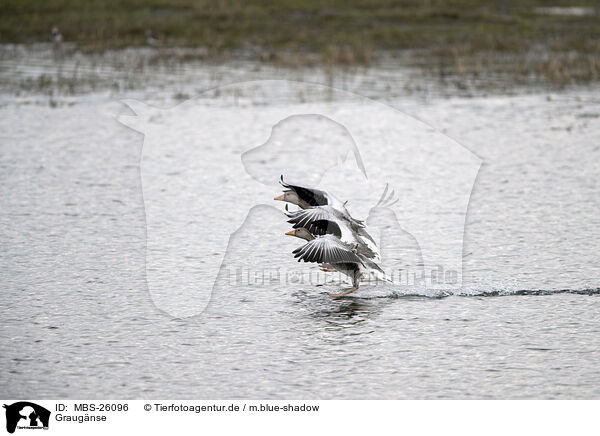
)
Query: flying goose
[
  {"x": 306, "y": 198},
  {"x": 329, "y": 250},
  {"x": 320, "y": 203}
]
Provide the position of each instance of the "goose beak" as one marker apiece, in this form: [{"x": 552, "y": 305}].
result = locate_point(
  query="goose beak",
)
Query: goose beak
[
  {"x": 291, "y": 233},
  {"x": 280, "y": 198}
]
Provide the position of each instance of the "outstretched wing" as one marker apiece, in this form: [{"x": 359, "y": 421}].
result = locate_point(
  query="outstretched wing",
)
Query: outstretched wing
[
  {"x": 326, "y": 249},
  {"x": 306, "y": 217},
  {"x": 303, "y": 217},
  {"x": 318, "y": 221}
]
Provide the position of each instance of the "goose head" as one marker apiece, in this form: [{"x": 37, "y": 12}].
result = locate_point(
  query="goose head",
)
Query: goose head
[
  {"x": 289, "y": 197},
  {"x": 301, "y": 233}
]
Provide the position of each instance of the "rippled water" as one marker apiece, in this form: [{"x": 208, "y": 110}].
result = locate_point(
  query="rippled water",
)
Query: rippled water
[{"x": 78, "y": 320}]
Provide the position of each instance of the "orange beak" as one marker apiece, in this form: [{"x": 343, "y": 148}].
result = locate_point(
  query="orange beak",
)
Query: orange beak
[
  {"x": 291, "y": 233},
  {"x": 280, "y": 198}
]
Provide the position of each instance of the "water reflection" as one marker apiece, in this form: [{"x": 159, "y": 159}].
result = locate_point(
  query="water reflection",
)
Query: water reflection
[{"x": 347, "y": 311}]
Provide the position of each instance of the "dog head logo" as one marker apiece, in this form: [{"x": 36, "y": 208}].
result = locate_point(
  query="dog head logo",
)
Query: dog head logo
[
  {"x": 26, "y": 415},
  {"x": 209, "y": 161}
]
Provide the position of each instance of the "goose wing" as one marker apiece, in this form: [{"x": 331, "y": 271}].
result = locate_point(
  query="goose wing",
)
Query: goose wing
[
  {"x": 327, "y": 249},
  {"x": 325, "y": 220},
  {"x": 324, "y": 227},
  {"x": 303, "y": 217},
  {"x": 318, "y": 221}
]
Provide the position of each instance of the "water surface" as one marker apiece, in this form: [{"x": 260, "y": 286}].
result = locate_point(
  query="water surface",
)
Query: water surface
[{"x": 78, "y": 320}]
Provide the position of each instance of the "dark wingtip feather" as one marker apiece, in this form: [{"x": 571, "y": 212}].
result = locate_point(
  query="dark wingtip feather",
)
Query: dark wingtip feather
[{"x": 282, "y": 182}]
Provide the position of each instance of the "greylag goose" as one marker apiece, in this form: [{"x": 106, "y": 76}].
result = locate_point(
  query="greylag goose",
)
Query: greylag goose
[
  {"x": 329, "y": 250},
  {"x": 306, "y": 198},
  {"x": 320, "y": 205}
]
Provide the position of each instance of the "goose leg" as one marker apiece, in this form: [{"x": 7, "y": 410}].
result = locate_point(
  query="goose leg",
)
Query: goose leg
[
  {"x": 341, "y": 294},
  {"x": 355, "y": 284}
]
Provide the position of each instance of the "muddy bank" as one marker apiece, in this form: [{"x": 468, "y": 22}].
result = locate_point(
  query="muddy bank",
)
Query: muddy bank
[
  {"x": 54, "y": 73},
  {"x": 464, "y": 40}
]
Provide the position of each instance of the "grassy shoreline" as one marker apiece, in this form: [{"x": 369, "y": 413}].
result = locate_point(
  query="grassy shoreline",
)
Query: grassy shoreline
[{"x": 461, "y": 37}]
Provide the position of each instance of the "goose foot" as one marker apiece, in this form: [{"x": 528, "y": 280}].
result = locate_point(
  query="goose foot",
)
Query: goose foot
[{"x": 342, "y": 294}]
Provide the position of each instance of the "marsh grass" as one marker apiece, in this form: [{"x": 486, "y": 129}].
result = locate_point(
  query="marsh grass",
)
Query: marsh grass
[{"x": 465, "y": 37}]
